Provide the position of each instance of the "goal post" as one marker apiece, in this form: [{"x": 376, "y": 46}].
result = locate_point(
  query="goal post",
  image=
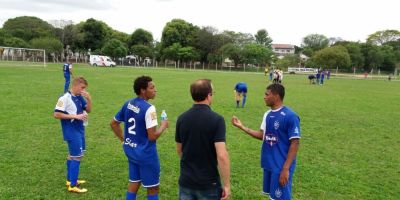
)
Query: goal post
[{"x": 15, "y": 56}]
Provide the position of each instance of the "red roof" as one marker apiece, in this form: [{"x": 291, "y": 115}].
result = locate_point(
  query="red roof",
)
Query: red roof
[{"x": 282, "y": 46}]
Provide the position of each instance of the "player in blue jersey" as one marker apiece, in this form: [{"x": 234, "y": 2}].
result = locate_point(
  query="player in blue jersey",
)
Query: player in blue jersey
[
  {"x": 67, "y": 70},
  {"x": 240, "y": 90},
  {"x": 70, "y": 109},
  {"x": 280, "y": 133},
  {"x": 139, "y": 138}
]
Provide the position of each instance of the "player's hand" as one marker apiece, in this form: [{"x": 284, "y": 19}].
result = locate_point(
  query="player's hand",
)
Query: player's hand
[
  {"x": 82, "y": 116},
  {"x": 165, "y": 124},
  {"x": 284, "y": 177},
  {"x": 86, "y": 95},
  {"x": 236, "y": 122},
  {"x": 226, "y": 193}
]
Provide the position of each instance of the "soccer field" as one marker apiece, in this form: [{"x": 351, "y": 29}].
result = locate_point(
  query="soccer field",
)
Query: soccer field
[{"x": 348, "y": 150}]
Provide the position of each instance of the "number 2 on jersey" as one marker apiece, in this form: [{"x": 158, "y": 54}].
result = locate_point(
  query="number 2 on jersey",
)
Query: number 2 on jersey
[{"x": 130, "y": 128}]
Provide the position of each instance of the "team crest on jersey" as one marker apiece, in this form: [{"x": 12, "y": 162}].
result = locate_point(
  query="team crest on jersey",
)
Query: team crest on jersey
[
  {"x": 153, "y": 115},
  {"x": 271, "y": 139},
  {"x": 60, "y": 104},
  {"x": 135, "y": 109},
  {"x": 278, "y": 193},
  {"x": 276, "y": 125}
]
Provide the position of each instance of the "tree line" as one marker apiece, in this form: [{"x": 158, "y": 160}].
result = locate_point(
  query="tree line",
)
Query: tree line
[{"x": 182, "y": 41}]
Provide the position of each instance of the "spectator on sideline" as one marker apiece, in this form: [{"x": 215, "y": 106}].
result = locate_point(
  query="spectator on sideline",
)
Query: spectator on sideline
[
  {"x": 280, "y": 133},
  {"x": 200, "y": 144},
  {"x": 139, "y": 141},
  {"x": 70, "y": 109}
]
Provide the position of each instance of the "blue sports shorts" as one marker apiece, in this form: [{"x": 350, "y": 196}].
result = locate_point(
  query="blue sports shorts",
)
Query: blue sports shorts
[
  {"x": 75, "y": 147},
  {"x": 272, "y": 187},
  {"x": 148, "y": 174}
]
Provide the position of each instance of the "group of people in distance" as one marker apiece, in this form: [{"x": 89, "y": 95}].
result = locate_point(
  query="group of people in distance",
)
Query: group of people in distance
[{"x": 200, "y": 136}]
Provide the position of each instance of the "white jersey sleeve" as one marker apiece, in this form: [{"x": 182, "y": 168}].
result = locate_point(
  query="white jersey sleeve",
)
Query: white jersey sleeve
[
  {"x": 263, "y": 123},
  {"x": 151, "y": 117},
  {"x": 62, "y": 104}
]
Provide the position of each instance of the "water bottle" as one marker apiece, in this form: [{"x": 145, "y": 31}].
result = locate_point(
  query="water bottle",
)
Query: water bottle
[
  {"x": 163, "y": 115},
  {"x": 86, "y": 121}
]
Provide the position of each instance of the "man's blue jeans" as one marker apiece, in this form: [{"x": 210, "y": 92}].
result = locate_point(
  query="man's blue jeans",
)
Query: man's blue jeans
[{"x": 192, "y": 194}]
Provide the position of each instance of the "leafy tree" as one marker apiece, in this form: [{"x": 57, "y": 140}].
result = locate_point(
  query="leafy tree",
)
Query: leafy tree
[
  {"x": 389, "y": 58},
  {"x": 115, "y": 49},
  {"x": 178, "y": 31},
  {"x": 15, "y": 42},
  {"x": 172, "y": 52},
  {"x": 142, "y": 51},
  {"x": 289, "y": 60},
  {"x": 382, "y": 37},
  {"x": 206, "y": 42},
  {"x": 187, "y": 54},
  {"x": 94, "y": 34},
  {"x": 53, "y": 46},
  {"x": 332, "y": 57},
  {"x": 355, "y": 52},
  {"x": 263, "y": 38},
  {"x": 233, "y": 52},
  {"x": 28, "y": 28},
  {"x": 123, "y": 37},
  {"x": 257, "y": 54},
  {"x": 314, "y": 42},
  {"x": 141, "y": 37}
]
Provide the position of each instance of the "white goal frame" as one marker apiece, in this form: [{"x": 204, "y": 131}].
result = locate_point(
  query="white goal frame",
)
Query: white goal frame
[{"x": 20, "y": 54}]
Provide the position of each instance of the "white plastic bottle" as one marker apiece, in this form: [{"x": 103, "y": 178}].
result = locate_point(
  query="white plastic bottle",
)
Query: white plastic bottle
[
  {"x": 85, "y": 122},
  {"x": 164, "y": 115}
]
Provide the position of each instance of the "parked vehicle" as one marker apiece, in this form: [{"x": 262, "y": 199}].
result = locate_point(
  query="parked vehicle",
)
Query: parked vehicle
[{"x": 99, "y": 60}]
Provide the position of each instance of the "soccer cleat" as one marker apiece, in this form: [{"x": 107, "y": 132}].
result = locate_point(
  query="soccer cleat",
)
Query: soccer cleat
[
  {"x": 76, "y": 189},
  {"x": 68, "y": 183}
]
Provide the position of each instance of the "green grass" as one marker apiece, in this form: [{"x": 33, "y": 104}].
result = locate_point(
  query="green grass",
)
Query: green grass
[{"x": 350, "y": 133}]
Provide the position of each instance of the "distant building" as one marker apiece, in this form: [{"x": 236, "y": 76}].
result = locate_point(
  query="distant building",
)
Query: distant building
[{"x": 282, "y": 49}]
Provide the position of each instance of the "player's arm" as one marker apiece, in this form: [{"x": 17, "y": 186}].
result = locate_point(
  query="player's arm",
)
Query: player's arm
[
  {"x": 61, "y": 115},
  {"x": 116, "y": 128},
  {"x": 253, "y": 133},
  {"x": 179, "y": 149},
  {"x": 224, "y": 168},
  {"x": 154, "y": 133},
  {"x": 71, "y": 71},
  {"x": 294, "y": 147}
]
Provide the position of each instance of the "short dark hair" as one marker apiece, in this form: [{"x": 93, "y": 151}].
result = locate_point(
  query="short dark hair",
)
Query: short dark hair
[
  {"x": 141, "y": 82},
  {"x": 277, "y": 88},
  {"x": 200, "y": 89}
]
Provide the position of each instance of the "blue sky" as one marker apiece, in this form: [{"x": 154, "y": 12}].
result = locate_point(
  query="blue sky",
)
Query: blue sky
[{"x": 287, "y": 21}]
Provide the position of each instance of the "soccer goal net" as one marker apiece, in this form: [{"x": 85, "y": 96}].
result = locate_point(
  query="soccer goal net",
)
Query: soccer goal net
[{"x": 13, "y": 56}]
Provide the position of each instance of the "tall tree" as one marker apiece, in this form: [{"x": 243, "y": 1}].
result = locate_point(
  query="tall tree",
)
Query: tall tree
[
  {"x": 53, "y": 46},
  {"x": 178, "y": 31},
  {"x": 263, "y": 38},
  {"x": 94, "y": 34},
  {"x": 141, "y": 37},
  {"x": 28, "y": 28},
  {"x": 115, "y": 49},
  {"x": 382, "y": 37},
  {"x": 314, "y": 42},
  {"x": 332, "y": 57}
]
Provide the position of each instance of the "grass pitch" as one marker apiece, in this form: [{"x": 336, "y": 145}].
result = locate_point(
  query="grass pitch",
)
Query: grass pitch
[{"x": 349, "y": 145}]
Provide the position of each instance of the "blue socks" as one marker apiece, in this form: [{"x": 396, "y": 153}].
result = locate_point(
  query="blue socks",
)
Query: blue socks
[
  {"x": 74, "y": 172},
  {"x": 130, "y": 196},
  {"x": 68, "y": 172},
  {"x": 244, "y": 101},
  {"x": 152, "y": 197}
]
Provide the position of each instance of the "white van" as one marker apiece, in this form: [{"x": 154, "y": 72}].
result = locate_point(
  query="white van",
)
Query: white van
[{"x": 98, "y": 60}]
